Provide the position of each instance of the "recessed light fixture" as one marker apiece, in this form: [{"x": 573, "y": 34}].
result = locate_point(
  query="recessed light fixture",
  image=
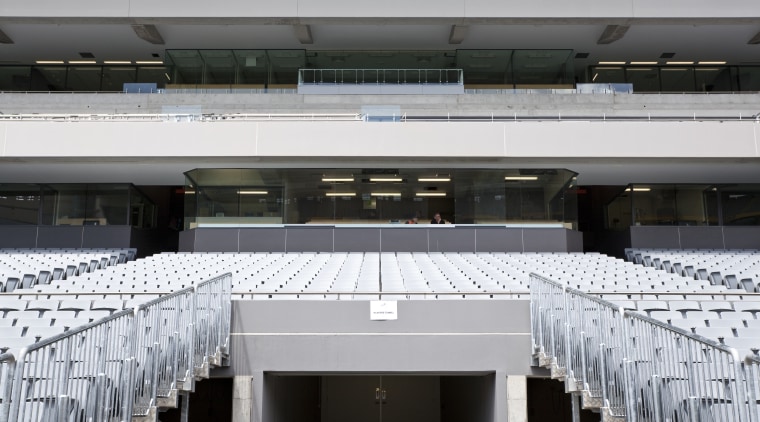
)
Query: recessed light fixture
[
  {"x": 252, "y": 192},
  {"x": 340, "y": 194},
  {"x": 615, "y": 63},
  {"x": 82, "y": 62},
  {"x": 679, "y": 63},
  {"x": 713, "y": 63},
  {"x": 520, "y": 177},
  {"x": 337, "y": 179},
  {"x": 644, "y": 63},
  {"x": 638, "y": 189},
  {"x": 149, "y": 62},
  {"x": 434, "y": 179},
  {"x": 117, "y": 62},
  {"x": 431, "y": 194},
  {"x": 49, "y": 62},
  {"x": 386, "y": 179},
  {"x": 385, "y": 194}
]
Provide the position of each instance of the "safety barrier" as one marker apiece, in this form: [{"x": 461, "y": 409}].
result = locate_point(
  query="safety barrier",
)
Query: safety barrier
[
  {"x": 128, "y": 364},
  {"x": 634, "y": 368}
]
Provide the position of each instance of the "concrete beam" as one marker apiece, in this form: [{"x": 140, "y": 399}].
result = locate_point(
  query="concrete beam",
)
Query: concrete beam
[
  {"x": 612, "y": 33},
  {"x": 4, "y": 38},
  {"x": 303, "y": 34},
  {"x": 148, "y": 33},
  {"x": 755, "y": 39},
  {"x": 458, "y": 32}
]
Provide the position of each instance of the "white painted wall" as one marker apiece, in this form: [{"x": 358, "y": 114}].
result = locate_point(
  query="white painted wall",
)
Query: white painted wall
[{"x": 686, "y": 139}]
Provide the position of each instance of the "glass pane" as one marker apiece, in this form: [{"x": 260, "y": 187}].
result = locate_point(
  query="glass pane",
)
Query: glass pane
[
  {"x": 152, "y": 74},
  {"x": 15, "y": 78},
  {"x": 114, "y": 77},
  {"x": 692, "y": 205},
  {"x": 107, "y": 204},
  {"x": 677, "y": 79},
  {"x": 83, "y": 78},
  {"x": 741, "y": 205},
  {"x": 542, "y": 67},
  {"x": 335, "y": 196},
  {"x": 714, "y": 79},
  {"x": 644, "y": 79},
  {"x": 607, "y": 75},
  {"x": 486, "y": 67},
  {"x": 654, "y": 205},
  {"x": 749, "y": 78},
  {"x": 19, "y": 204},
  {"x": 48, "y": 78},
  {"x": 284, "y": 65},
  {"x": 219, "y": 67},
  {"x": 252, "y": 67}
]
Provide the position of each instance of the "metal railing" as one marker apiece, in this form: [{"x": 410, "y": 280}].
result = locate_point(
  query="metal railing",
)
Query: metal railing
[
  {"x": 84, "y": 373},
  {"x": 380, "y": 76},
  {"x": 124, "y": 365},
  {"x": 634, "y": 368}
]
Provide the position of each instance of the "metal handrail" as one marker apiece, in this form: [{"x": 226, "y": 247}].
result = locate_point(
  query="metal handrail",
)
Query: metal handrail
[
  {"x": 118, "y": 366},
  {"x": 645, "y": 369}
]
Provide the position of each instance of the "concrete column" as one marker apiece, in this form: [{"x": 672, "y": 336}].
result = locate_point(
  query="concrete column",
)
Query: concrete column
[
  {"x": 517, "y": 398},
  {"x": 500, "y": 406},
  {"x": 246, "y": 398}
]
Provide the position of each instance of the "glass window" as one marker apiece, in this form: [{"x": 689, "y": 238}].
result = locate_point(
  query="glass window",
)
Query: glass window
[
  {"x": 19, "y": 204},
  {"x": 336, "y": 196},
  {"x": 741, "y": 205},
  {"x": 152, "y": 74},
  {"x": 677, "y": 79},
  {"x": 749, "y": 78},
  {"x": 607, "y": 75},
  {"x": 654, "y": 205},
  {"x": 15, "y": 78},
  {"x": 714, "y": 79},
  {"x": 48, "y": 78},
  {"x": 83, "y": 78},
  {"x": 114, "y": 77},
  {"x": 644, "y": 79}
]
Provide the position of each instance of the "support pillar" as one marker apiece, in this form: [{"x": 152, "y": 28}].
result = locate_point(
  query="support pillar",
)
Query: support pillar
[
  {"x": 517, "y": 398},
  {"x": 246, "y": 398}
]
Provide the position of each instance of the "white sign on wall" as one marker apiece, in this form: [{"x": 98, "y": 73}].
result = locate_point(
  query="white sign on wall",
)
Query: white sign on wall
[{"x": 383, "y": 310}]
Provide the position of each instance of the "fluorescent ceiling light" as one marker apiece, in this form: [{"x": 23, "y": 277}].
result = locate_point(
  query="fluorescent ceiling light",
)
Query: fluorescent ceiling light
[
  {"x": 638, "y": 189},
  {"x": 117, "y": 62},
  {"x": 713, "y": 63},
  {"x": 434, "y": 179},
  {"x": 644, "y": 63},
  {"x": 337, "y": 179},
  {"x": 252, "y": 192},
  {"x": 520, "y": 177},
  {"x": 189, "y": 192},
  {"x": 616, "y": 63},
  {"x": 681, "y": 63},
  {"x": 49, "y": 61},
  {"x": 386, "y": 179},
  {"x": 431, "y": 193},
  {"x": 385, "y": 194},
  {"x": 149, "y": 62},
  {"x": 82, "y": 62},
  {"x": 340, "y": 194}
]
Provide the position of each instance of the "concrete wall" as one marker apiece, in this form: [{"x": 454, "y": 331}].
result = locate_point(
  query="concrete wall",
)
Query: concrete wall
[
  {"x": 306, "y": 238},
  {"x": 413, "y": 105},
  {"x": 371, "y": 140},
  {"x": 338, "y": 338},
  {"x": 676, "y": 237},
  {"x": 314, "y": 9},
  {"x": 65, "y": 236}
]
